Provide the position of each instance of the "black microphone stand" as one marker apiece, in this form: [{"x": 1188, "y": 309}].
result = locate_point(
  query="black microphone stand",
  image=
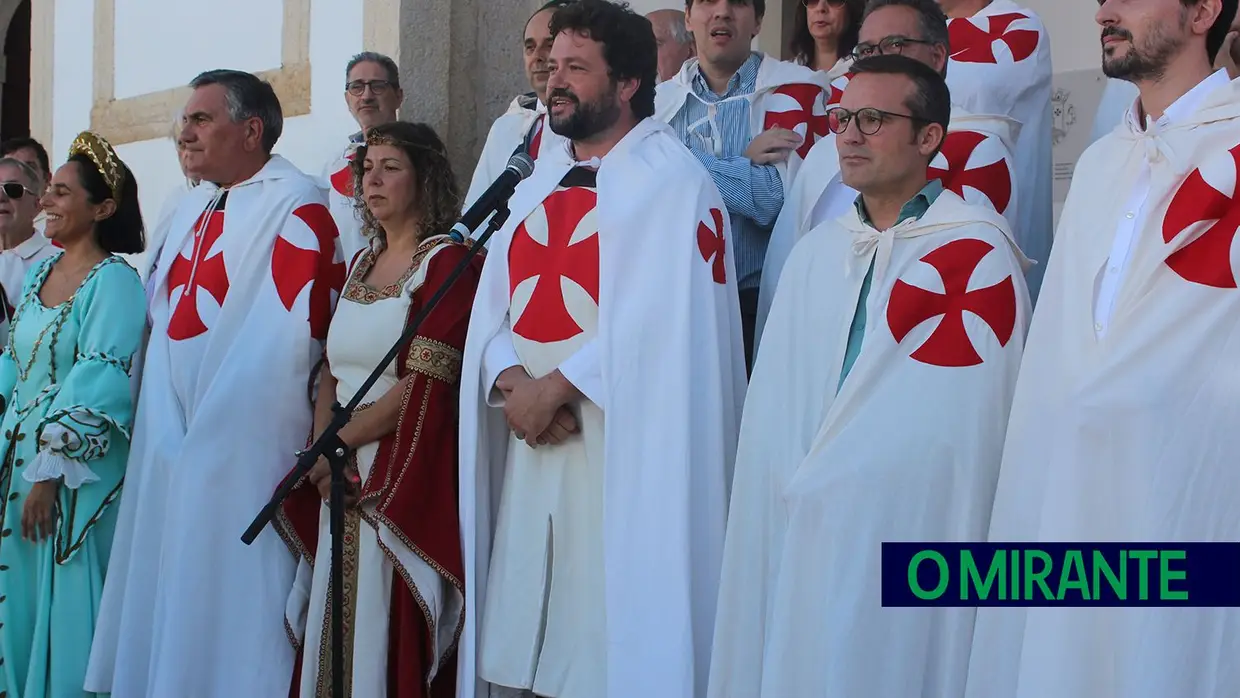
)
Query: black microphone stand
[{"x": 329, "y": 446}]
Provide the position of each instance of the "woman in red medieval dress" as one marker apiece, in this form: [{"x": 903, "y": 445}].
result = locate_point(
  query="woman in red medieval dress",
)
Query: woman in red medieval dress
[{"x": 403, "y": 572}]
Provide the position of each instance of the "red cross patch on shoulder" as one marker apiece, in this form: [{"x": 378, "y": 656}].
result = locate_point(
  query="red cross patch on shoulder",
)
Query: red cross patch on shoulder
[
  {"x": 1206, "y": 258},
  {"x": 307, "y": 254},
  {"x": 975, "y": 166},
  {"x": 799, "y": 107},
  {"x": 974, "y": 39},
  {"x": 712, "y": 245}
]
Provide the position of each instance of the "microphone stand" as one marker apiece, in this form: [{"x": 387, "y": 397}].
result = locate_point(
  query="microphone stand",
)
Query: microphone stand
[{"x": 330, "y": 446}]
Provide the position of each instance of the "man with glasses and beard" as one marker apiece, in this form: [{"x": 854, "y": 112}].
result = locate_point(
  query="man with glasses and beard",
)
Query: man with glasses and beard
[
  {"x": 600, "y": 395},
  {"x": 372, "y": 91},
  {"x": 894, "y": 433},
  {"x": 1123, "y": 424}
]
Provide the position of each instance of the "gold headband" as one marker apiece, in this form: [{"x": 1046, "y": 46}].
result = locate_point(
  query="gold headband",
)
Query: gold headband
[{"x": 100, "y": 152}]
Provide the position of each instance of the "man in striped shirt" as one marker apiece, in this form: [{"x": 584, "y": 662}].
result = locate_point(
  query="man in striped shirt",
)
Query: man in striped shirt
[{"x": 747, "y": 118}]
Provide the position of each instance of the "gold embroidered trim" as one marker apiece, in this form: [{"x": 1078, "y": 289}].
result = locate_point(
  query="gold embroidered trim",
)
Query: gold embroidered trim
[
  {"x": 352, "y": 524},
  {"x": 434, "y": 359}
]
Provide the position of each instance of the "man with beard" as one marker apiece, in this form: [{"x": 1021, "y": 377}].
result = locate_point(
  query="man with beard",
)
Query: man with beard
[
  {"x": 523, "y": 125},
  {"x": 595, "y": 574},
  {"x": 750, "y": 119},
  {"x": 1123, "y": 425},
  {"x": 372, "y": 91}
]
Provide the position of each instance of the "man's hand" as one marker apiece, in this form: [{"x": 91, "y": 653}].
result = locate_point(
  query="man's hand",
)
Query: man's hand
[
  {"x": 320, "y": 477},
  {"x": 39, "y": 513},
  {"x": 533, "y": 407},
  {"x": 772, "y": 146}
]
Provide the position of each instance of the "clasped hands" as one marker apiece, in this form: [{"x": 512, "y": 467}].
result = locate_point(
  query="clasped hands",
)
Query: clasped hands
[{"x": 537, "y": 408}]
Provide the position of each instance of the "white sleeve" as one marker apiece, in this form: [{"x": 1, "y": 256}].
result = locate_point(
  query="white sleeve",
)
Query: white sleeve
[
  {"x": 582, "y": 369},
  {"x": 497, "y": 358}
]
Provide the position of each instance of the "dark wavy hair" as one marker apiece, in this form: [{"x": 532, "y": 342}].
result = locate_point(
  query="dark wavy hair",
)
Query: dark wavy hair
[
  {"x": 436, "y": 194},
  {"x": 629, "y": 46},
  {"x": 802, "y": 45},
  {"x": 123, "y": 232}
]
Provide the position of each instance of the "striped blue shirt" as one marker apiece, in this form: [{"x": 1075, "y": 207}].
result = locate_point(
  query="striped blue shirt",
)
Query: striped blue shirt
[{"x": 753, "y": 193}]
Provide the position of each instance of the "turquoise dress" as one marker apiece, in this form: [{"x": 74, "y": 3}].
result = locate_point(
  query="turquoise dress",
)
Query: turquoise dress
[{"x": 68, "y": 410}]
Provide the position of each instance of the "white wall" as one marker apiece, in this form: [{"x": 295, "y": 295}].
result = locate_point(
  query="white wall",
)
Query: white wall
[{"x": 162, "y": 44}]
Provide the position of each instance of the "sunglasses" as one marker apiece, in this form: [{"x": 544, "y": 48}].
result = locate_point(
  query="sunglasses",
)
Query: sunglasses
[
  {"x": 14, "y": 190},
  {"x": 357, "y": 88}
]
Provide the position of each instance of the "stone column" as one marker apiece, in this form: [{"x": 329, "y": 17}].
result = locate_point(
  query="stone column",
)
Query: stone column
[{"x": 460, "y": 63}]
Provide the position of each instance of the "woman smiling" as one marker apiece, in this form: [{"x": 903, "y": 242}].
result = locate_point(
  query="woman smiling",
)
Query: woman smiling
[{"x": 67, "y": 413}]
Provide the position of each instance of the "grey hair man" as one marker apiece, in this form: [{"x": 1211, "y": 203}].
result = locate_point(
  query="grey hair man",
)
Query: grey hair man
[
  {"x": 372, "y": 91},
  {"x": 20, "y": 189},
  {"x": 239, "y": 302},
  {"x": 674, "y": 40}
]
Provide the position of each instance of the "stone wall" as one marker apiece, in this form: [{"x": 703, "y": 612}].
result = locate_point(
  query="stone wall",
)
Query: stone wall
[{"x": 461, "y": 65}]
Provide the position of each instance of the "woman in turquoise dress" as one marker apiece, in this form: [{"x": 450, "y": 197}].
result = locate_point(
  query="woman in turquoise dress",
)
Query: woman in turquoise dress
[{"x": 67, "y": 412}]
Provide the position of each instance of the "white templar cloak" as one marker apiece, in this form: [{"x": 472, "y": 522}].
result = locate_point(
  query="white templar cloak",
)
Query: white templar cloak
[
  {"x": 524, "y": 122},
  {"x": 975, "y": 162},
  {"x": 1129, "y": 434},
  {"x": 241, "y": 301},
  {"x": 786, "y": 95},
  {"x": 672, "y": 385},
  {"x": 1001, "y": 64},
  {"x": 338, "y": 182},
  {"x": 908, "y": 450}
]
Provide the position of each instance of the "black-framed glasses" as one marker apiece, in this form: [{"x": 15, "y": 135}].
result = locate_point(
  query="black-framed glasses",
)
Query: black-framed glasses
[
  {"x": 889, "y": 45},
  {"x": 357, "y": 88},
  {"x": 830, "y": 3},
  {"x": 869, "y": 119},
  {"x": 14, "y": 190}
]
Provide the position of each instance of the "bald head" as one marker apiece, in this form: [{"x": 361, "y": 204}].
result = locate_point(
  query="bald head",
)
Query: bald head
[{"x": 673, "y": 39}]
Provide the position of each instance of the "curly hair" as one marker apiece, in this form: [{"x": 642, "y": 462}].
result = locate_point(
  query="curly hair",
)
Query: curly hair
[
  {"x": 804, "y": 48},
  {"x": 437, "y": 196},
  {"x": 628, "y": 43}
]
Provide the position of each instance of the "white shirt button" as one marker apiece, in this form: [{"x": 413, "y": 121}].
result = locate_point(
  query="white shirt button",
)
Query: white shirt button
[
  {"x": 1130, "y": 214},
  {"x": 1097, "y": 326}
]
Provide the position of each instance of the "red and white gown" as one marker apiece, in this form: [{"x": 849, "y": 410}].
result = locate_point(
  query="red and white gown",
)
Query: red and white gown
[
  {"x": 543, "y": 624},
  {"x": 403, "y": 605}
]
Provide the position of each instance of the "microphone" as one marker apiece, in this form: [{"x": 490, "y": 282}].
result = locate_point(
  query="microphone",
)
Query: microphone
[{"x": 520, "y": 166}]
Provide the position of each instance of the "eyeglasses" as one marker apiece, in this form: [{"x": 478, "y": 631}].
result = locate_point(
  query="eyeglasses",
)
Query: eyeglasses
[
  {"x": 14, "y": 190},
  {"x": 830, "y": 3},
  {"x": 887, "y": 46},
  {"x": 869, "y": 119},
  {"x": 357, "y": 88}
]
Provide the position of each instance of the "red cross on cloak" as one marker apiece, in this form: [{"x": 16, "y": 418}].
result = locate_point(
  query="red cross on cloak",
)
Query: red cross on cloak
[
  {"x": 949, "y": 345},
  {"x": 993, "y": 180},
  {"x": 1205, "y": 260},
  {"x": 540, "y": 123},
  {"x": 972, "y": 44},
  {"x": 809, "y": 102},
  {"x": 342, "y": 179},
  {"x": 545, "y": 318},
  {"x": 197, "y": 272},
  {"x": 712, "y": 245},
  {"x": 838, "y": 86},
  {"x": 293, "y": 267}
]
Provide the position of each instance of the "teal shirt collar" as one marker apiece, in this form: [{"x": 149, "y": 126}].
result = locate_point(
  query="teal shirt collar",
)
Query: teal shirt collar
[{"x": 916, "y": 207}]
